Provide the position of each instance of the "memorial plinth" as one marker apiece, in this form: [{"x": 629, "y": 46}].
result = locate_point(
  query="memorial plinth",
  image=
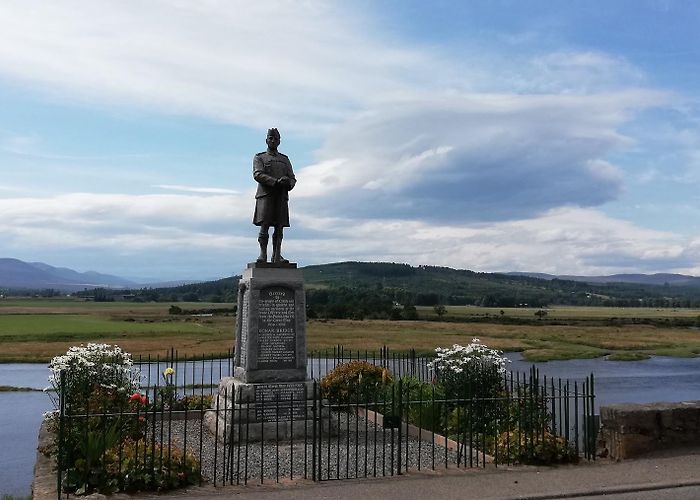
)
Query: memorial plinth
[
  {"x": 271, "y": 325},
  {"x": 269, "y": 394}
]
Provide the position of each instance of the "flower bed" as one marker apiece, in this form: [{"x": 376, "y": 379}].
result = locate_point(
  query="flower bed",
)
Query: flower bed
[{"x": 101, "y": 422}]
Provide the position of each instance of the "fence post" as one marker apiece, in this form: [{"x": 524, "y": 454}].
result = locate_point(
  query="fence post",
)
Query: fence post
[
  {"x": 398, "y": 462},
  {"x": 314, "y": 401},
  {"x": 61, "y": 416},
  {"x": 594, "y": 427}
]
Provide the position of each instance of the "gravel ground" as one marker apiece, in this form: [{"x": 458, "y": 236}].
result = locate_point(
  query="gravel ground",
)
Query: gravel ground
[{"x": 359, "y": 449}]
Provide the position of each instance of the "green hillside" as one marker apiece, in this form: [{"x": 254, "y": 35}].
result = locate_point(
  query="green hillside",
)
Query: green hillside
[
  {"x": 388, "y": 290},
  {"x": 430, "y": 285}
]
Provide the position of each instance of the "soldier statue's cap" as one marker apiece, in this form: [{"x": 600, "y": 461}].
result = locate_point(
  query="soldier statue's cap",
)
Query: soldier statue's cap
[{"x": 273, "y": 131}]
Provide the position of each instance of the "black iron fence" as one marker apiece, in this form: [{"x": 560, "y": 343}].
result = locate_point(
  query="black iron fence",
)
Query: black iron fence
[
  {"x": 176, "y": 431},
  {"x": 208, "y": 370},
  {"x": 402, "y": 364}
]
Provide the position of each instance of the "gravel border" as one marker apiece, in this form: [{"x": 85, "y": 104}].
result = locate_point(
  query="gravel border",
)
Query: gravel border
[{"x": 359, "y": 449}]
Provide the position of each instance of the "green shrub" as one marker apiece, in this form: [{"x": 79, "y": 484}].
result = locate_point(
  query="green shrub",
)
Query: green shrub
[
  {"x": 89, "y": 369},
  {"x": 422, "y": 405},
  {"x": 533, "y": 448},
  {"x": 471, "y": 371},
  {"x": 527, "y": 410},
  {"x": 355, "y": 381},
  {"x": 144, "y": 466},
  {"x": 194, "y": 402},
  {"x": 472, "y": 376}
]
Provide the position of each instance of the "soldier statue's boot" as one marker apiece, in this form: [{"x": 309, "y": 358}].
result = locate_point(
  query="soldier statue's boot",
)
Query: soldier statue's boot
[
  {"x": 263, "y": 248},
  {"x": 277, "y": 250}
]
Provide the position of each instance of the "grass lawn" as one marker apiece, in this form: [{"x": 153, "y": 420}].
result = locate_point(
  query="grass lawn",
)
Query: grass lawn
[
  {"x": 38, "y": 329},
  {"x": 565, "y": 312}
]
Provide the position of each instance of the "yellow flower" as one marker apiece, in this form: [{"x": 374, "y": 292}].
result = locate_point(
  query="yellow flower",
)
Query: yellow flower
[{"x": 168, "y": 371}]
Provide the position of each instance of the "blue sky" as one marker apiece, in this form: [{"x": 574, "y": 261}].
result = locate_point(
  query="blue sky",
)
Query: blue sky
[{"x": 543, "y": 136}]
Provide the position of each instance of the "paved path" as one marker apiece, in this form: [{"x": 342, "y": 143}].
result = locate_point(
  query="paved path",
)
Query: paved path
[{"x": 667, "y": 476}]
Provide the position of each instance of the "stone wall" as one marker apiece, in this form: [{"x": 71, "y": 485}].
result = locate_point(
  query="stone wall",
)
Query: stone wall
[{"x": 632, "y": 430}]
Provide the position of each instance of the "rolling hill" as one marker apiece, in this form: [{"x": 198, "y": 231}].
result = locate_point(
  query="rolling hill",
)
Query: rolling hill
[{"x": 15, "y": 273}]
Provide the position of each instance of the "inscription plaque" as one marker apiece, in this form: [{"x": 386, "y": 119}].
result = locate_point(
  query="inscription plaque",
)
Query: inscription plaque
[
  {"x": 280, "y": 402},
  {"x": 276, "y": 328},
  {"x": 244, "y": 327}
]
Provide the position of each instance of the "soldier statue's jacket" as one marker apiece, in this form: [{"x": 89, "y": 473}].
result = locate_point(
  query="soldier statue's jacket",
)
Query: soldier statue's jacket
[{"x": 267, "y": 168}]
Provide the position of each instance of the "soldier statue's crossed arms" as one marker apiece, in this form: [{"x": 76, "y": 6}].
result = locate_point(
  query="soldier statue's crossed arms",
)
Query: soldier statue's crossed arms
[{"x": 273, "y": 172}]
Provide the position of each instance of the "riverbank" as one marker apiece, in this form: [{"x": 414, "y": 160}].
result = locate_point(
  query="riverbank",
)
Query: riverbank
[
  {"x": 541, "y": 342},
  {"x": 655, "y": 379},
  {"x": 35, "y": 330}
]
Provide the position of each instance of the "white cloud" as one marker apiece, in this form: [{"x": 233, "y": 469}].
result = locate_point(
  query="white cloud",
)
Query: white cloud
[
  {"x": 474, "y": 157},
  {"x": 415, "y": 166},
  {"x": 562, "y": 241},
  {"x": 297, "y": 64},
  {"x": 214, "y": 234},
  {"x": 404, "y": 137},
  {"x": 85, "y": 219}
]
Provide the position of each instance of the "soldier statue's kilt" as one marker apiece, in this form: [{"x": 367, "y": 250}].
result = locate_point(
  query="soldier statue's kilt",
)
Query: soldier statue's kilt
[{"x": 272, "y": 209}]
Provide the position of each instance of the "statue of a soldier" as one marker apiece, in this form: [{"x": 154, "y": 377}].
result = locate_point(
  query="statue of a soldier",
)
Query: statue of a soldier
[{"x": 273, "y": 172}]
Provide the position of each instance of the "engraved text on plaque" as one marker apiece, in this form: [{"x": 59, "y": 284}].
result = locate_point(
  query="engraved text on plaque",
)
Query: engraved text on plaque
[
  {"x": 280, "y": 402},
  {"x": 276, "y": 328}
]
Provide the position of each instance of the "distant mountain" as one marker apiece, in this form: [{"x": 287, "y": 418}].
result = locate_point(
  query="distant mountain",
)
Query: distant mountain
[
  {"x": 641, "y": 279},
  {"x": 15, "y": 273}
]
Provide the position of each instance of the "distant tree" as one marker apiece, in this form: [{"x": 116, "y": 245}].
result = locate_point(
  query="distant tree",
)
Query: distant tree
[
  {"x": 541, "y": 314},
  {"x": 440, "y": 310},
  {"x": 175, "y": 310},
  {"x": 102, "y": 295},
  {"x": 410, "y": 312}
]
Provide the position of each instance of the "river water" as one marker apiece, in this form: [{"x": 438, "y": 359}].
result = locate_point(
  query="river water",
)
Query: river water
[{"x": 651, "y": 380}]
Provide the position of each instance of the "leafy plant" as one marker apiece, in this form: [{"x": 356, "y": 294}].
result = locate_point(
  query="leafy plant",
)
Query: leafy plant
[
  {"x": 129, "y": 466},
  {"x": 355, "y": 381},
  {"x": 194, "y": 402},
  {"x": 156, "y": 469},
  {"x": 519, "y": 446},
  {"x": 167, "y": 394},
  {"x": 88, "y": 369},
  {"x": 422, "y": 404},
  {"x": 470, "y": 371}
]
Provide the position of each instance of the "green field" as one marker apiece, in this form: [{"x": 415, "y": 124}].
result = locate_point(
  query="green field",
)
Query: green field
[
  {"x": 567, "y": 312},
  {"x": 37, "y": 329},
  {"x": 80, "y": 327}
]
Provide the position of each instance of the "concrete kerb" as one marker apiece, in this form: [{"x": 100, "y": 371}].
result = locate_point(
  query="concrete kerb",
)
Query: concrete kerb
[
  {"x": 613, "y": 490},
  {"x": 481, "y": 483}
]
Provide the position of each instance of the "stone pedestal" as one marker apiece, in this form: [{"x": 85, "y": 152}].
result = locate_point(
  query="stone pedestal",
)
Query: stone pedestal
[
  {"x": 267, "y": 411},
  {"x": 271, "y": 325},
  {"x": 269, "y": 394}
]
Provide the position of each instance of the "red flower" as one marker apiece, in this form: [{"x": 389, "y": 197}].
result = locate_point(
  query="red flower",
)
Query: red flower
[
  {"x": 142, "y": 418},
  {"x": 139, "y": 398}
]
